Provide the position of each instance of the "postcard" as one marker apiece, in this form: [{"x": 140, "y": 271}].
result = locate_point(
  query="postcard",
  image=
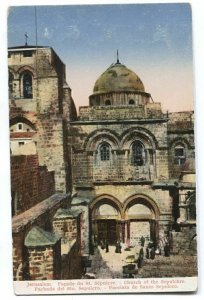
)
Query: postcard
[{"x": 102, "y": 148}]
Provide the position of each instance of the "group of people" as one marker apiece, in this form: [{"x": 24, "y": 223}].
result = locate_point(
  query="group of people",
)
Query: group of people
[
  {"x": 152, "y": 249},
  {"x": 104, "y": 245}
]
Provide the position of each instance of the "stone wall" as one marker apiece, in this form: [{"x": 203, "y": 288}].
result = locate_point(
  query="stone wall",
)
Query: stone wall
[
  {"x": 51, "y": 150},
  {"x": 71, "y": 262},
  {"x": 181, "y": 120},
  {"x": 181, "y": 131},
  {"x": 185, "y": 241},
  {"x": 20, "y": 270},
  {"x": 87, "y": 166},
  {"x": 30, "y": 182},
  {"x": 44, "y": 263},
  {"x": 69, "y": 229},
  {"x": 89, "y": 113},
  {"x": 66, "y": 228}
]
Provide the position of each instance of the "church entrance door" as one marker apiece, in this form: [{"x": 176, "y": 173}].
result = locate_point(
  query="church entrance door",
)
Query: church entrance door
[
  {"x": 141, "y": 214},
  {"x": 137, "y": 230},
  {"x": 107, "y": 231}
]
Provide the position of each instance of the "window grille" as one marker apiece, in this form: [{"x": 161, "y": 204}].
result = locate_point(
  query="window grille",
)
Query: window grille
[{"x": 105, "y": 152}]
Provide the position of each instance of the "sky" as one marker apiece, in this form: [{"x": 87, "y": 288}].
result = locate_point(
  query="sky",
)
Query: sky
[{"x": 154, "y": 40}]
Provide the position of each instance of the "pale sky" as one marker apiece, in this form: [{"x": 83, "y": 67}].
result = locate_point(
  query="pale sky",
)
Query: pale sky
[{"x": 154, "y": 40}]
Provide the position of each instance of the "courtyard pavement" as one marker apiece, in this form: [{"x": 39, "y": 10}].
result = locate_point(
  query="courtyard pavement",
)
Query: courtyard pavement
[{"x": 110, "y": 265}]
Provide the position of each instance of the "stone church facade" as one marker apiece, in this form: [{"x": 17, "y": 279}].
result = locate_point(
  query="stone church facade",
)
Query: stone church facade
[{"x": 119, "y": 170}]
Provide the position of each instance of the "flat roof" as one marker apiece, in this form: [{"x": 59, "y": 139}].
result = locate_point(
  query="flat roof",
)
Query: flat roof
[{"x": 24, "y": 47}]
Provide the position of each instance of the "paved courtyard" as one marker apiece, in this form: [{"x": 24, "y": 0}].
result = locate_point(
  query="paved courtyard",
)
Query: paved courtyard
[{"x": 110, "y": 265}]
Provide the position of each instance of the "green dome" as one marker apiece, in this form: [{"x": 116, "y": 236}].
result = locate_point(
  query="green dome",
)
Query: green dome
[{"x": 118, "y": 78}]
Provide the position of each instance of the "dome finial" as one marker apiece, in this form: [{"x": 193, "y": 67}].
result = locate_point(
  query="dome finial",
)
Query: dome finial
[{"x": 118, "y": 62}]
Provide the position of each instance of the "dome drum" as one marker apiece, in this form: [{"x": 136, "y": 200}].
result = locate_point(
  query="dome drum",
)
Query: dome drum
[{"x": 119, "y": 99}]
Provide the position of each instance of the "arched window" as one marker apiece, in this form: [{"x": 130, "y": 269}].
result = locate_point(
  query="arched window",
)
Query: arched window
[
  {"x": 105, "y": 152},
  {"x": 138, "y": 154},
  {"x": 27, "y": 86},
  {"x": 191, "y": 206},
  {"x": 179, "y": 154},
  {"x": 107, "y": 102},
  {"x": 11, "y": 77},
  {"x": 131, "y": 102}
]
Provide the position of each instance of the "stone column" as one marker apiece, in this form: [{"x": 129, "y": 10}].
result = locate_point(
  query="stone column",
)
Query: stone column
[
  {"x": 182, "y": 208},
  {"x": 128, "y": 232},
  {"x": 123, "y": 231}
]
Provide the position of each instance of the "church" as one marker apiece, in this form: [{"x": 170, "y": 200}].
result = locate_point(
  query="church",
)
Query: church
[
  {"x": 117, "y": 170},
  {"x": 130, "y": 160}
]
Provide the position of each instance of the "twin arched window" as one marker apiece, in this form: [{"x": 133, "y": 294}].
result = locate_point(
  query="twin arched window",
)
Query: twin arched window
[
  {"x": 179, "y": 155},
  {"x": 131, "y": 102},
  {"x": 138, "y": 153},
  {"x": 107, "y": 102},
  {"x": 27, "y": 85},
  {"x": 137, "y": 157},
  {"x": 191, "y": 206},
  {"x": 105, "y": 152}
]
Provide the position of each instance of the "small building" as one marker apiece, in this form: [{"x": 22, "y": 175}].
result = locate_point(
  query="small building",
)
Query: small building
[{"x": 44, "y": 255}]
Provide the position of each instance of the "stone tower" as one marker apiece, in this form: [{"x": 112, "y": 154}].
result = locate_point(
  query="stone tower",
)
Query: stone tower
[{"x": 41, "y": 106}]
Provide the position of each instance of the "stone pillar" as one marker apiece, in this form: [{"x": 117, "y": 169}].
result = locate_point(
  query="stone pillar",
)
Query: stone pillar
[
  {"x": 123, "y": 231},
  {"x": 182, "y": 208},
  {"x": 128, "y": 233}
]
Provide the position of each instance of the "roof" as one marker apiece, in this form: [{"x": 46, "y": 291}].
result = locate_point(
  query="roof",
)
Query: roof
[
  {"x": 16, "y": 135},
  {"x": 28, "y": 47},
  {"x": 174, "y": 184},
  {"x": 63, "y": 213},
  {"x": 29, "y": 216},
  {"x": 39, "y": 237},
  {"x": 118, "y": 78},
  {"x": 33, "y": 47}
]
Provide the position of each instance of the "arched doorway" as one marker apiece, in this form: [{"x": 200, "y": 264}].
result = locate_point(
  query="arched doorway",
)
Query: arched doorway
[
  {"x": 106, "y": 219},
  {"x": 141, "y": 214}
]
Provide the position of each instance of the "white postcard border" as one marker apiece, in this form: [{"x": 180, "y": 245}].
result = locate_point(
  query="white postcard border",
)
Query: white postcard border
[{"x": 106, "y": 286}]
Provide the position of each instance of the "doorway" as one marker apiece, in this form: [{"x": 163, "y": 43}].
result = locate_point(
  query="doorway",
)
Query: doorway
[{"x": 107, "y": 230}]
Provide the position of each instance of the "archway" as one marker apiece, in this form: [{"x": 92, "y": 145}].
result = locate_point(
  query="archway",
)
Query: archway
[
  {"x": 106, "y": 219},
  {"x": 141, "y": 214}
]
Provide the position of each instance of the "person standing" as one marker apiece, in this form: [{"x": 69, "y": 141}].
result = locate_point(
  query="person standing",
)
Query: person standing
[
  {"x": 152, "y": 253},
  {"x": 167, "y": 250},
  {"x": 140, "y": 258},
  {"x": 147, "y": 253},
  {"x": 119, "y": 247},
  {"x": 142, "y": 241},
  {"x": 107, "y": 246}
]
